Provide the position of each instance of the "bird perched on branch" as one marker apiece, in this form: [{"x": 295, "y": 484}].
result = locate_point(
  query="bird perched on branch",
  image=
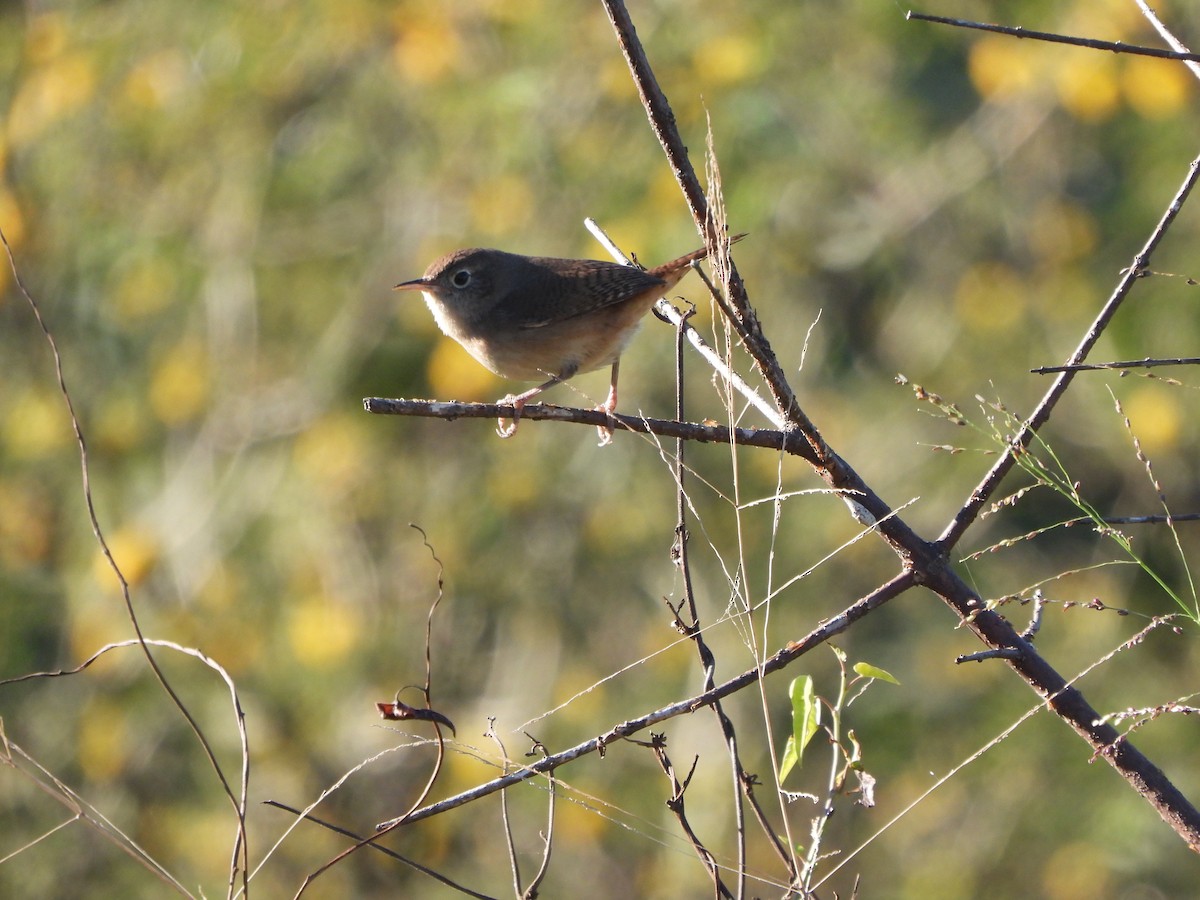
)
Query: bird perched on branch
[{"x": 534, "y": 317}]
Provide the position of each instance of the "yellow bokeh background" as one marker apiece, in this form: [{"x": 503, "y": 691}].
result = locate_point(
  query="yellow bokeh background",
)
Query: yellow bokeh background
[{"x": 209, "y": 204}]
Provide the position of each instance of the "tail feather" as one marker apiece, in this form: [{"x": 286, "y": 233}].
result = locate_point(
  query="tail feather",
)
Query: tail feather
[{"x": 688, "y": 258}]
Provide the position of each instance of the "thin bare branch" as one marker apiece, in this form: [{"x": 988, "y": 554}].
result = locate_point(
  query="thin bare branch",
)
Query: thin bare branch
[
  {"x": 1166, "y": 35},
  {"x": 431, "y": 715},
  {"x": 708, "y": 661},
  {"x": 241, "y": 859},
  {"x": 780, "y": 660},
  {"x": 678, "y": 806},
  {"x": 745, "y": 321},
  {"x": 386, "y": 851},
  {"x": 16, "y": 758},
  {"x": 548, "y": 844},
  {"x": 1018, "y": 32},
  {"x": 514, "y": 864},
  {"x": 983, "y": 492},
  {"x": 1146, "y": 363},
  {"x": 719, "y": 434}
]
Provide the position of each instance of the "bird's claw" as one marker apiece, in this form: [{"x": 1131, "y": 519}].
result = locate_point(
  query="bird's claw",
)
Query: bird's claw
[
  {"x": 606, "y": 431},
  {"x": 503, "y": 427}
]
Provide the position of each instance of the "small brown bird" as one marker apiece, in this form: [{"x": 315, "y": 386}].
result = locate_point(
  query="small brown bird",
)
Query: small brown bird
[{"x": 531, "y": 317}]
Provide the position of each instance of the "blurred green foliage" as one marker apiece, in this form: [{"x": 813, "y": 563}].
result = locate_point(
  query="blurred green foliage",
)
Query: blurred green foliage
[{"x": 210, "y": 202}]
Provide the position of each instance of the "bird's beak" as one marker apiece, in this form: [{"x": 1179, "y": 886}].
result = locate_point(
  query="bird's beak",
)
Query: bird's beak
[{"x": 417, "y": 284}]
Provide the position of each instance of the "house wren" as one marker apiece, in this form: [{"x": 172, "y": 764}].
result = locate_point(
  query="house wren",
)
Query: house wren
[{"x": 531, "y": 317}]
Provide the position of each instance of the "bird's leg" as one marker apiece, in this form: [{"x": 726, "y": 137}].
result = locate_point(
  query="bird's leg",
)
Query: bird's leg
[
  {"x": 518, "y": 401},
  {"x": 609, "y": 406}
]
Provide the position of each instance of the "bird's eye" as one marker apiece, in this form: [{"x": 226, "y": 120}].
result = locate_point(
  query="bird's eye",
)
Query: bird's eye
[{"x": 461, "y": 278}]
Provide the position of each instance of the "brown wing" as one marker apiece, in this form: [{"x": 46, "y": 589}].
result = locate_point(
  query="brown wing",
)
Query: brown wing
[
  {"x": 567, "y": 288},
  {"x": 548, "y": 290}
]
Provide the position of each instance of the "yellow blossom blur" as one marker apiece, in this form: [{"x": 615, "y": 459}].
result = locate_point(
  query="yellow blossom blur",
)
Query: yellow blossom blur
[
  {"x": 26, "y": 525},
  {"x": 321, "y": 631},
  {"x": 455, "y": 375},
  {"x": 1061, "y": 232},
  {"x": 104, "y": 739},
  {"x": 13, "y": 222},
  {"x": 36, "y": 424},
  {"x": 1087, "y": 86},
  {"x": 1001, "y": 67},
  {"x": 727, "y": 59},
  {"x": 143, "y": 288},
  {"x": 135, "y": 552},
  {"x": 1155, "y": 417},
  {"x": 179, "y": 385},
  {"x": 332, "y": 452},
  {"x": 990, "y": 297},
  {"x": 501, "y": 205},
  {"x": 48, "y": 94},
  {"x": 1156, "y": 88},
  {"x": 156, "y": 80},
  {"x": 427, "y": 49}
]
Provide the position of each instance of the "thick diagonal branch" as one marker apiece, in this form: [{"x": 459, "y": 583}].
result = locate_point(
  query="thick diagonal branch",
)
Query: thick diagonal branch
[{"x": 924, "y": 561}]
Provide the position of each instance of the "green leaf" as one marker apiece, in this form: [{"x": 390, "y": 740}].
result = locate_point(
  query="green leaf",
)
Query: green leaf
[
  {"x": 806, "y": 720},
  {"x": 806, "y": 711},
  {"x": 790, "y": 758},
  {"x": 866, "y": 670}
]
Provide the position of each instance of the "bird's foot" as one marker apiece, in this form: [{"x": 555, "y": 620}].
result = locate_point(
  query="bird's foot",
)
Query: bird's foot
[
  {"x": 504, "y": 428},
  {"x": 608, "y": 407},
  {"x": 605, "y": 432}
]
